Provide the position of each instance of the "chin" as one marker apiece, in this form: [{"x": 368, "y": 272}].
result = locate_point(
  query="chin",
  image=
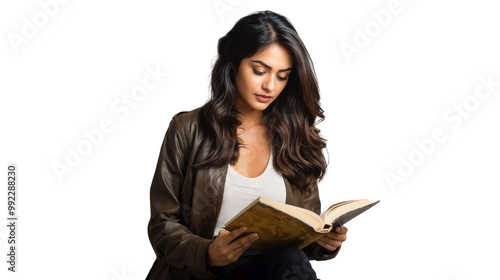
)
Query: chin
[{"x": 261, "y": 106}]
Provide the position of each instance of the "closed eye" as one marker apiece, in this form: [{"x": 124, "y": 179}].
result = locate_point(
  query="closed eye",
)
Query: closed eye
[
  {"x": 262, "y": 73},
  {"x": 258, "y": 72}
]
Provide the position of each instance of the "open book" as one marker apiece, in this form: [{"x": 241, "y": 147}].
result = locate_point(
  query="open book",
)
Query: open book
[{"x": 281, "y": 224}]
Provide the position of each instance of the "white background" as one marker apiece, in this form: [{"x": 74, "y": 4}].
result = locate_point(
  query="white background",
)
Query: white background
[{"x": 63, "y": 77}]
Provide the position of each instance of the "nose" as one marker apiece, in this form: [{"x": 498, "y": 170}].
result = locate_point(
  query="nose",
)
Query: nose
[{"x": 268, "y": 84}]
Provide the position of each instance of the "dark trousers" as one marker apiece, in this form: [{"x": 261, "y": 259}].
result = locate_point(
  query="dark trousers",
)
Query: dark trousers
[{"x": 285, "y": 263}]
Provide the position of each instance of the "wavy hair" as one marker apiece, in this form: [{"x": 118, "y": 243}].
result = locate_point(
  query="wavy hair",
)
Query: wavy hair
[{"x": 290, "y": 120}]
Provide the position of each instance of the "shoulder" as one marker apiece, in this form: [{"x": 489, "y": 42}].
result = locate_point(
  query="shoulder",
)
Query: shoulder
[
  {"x": 186, "y": 124},
  {"x": 187, "y": 117},
  {"x": 186, "y": 120}
]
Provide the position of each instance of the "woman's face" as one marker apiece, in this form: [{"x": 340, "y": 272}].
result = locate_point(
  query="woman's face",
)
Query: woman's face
[{"x": 261, "y": 78}]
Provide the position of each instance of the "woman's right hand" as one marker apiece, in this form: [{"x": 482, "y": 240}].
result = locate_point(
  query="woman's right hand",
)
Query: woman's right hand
[{"x": 225, "y": 249}]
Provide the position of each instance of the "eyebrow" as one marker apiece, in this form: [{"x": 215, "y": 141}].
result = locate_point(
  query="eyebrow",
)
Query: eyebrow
[{"x": 269, "y": 67}]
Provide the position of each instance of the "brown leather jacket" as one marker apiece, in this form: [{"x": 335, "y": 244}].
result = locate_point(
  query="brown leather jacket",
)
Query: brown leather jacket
[{"x": 185, "y": 204}]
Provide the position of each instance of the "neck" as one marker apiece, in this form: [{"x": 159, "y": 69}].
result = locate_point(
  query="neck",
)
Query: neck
[{"x": 249, "y": 117}]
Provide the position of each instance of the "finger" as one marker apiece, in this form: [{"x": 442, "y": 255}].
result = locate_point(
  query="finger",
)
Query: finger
[
  {"x": 235, "y": 253},
  {"x": 234, "y": 234},
  {"x": 242, "y": 244},
  {"x": 341, "y": 230},
  {"x": 335, "y": 236},
  {"x": 239, "y": 251},
  {"x": 331, "y": 245},
  {"x": 242, "y": 249},
  {"x": 333, "y": 241}
]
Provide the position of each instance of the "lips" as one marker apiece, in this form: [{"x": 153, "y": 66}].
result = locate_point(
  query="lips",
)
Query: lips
[{"x": 263, "y": 98}]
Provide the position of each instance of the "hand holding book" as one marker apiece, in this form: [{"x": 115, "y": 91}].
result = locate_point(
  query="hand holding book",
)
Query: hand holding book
[
  {"x": 225, "y": 249},
  {"x": 332, "y": 240}
]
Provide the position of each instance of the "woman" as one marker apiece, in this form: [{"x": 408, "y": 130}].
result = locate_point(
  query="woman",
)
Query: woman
[{"x": 255, "y": 136}]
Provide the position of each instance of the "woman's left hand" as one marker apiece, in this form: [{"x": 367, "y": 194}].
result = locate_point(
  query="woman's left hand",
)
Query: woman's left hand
[{"x": 333, "y": 239}]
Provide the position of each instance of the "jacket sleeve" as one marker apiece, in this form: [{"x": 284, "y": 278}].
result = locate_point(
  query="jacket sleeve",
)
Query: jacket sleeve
[
  {"x": 167, "y": 230},
  {"x": 314, "y": 251}
]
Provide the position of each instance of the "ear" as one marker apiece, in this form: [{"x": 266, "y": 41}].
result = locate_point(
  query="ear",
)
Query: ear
[{"x": 233, "y": 71}]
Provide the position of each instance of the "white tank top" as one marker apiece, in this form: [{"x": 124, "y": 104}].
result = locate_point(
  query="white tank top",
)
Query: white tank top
[{"x": 239, "y": 191}]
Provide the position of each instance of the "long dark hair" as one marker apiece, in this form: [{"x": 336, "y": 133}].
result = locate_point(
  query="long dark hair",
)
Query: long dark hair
[{"x": 290, "y": 120}]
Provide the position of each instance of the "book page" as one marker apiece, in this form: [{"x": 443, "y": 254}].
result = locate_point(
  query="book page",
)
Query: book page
[
  {"x": 306, "y": 216},
  {"x": 340, "y": 208}
]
